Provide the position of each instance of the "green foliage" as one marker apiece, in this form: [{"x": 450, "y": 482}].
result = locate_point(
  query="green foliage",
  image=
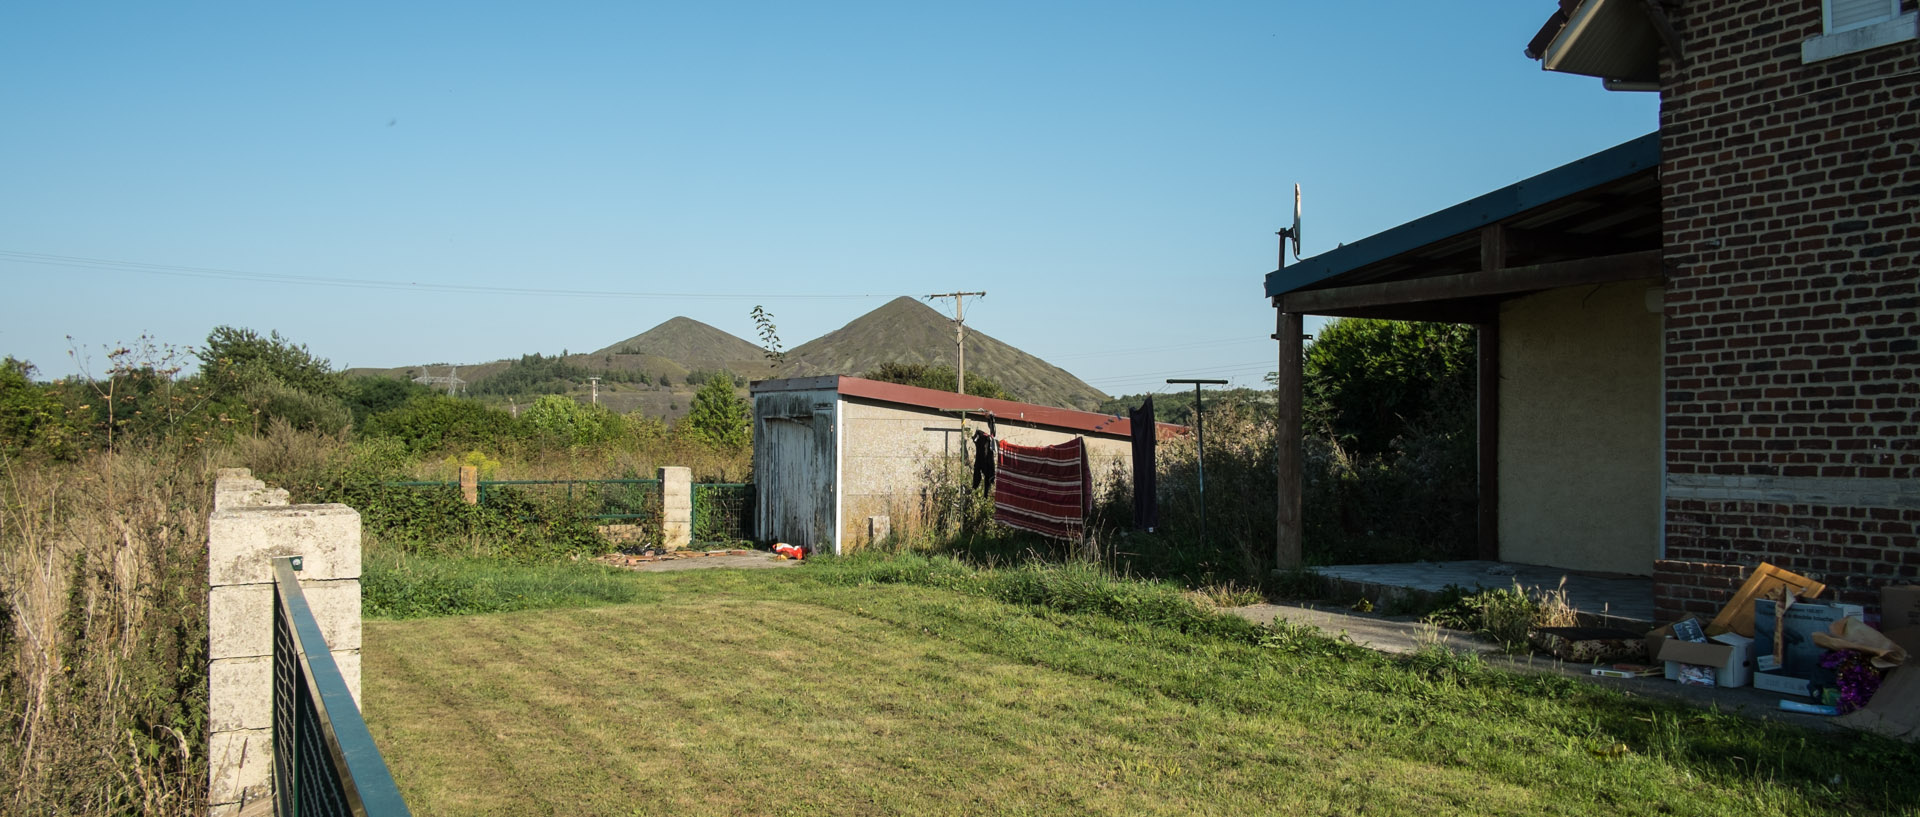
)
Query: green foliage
[
  {"x": 1372, "y": 382},
  {"x": 432, "y": 423},
  {"x": 399, "y": 585},
  {"x": 367, "y": 396},
  {"x": 533, "y": 374},
  {"x": 769, "y": 336},
  {"x": 563, "y": 420},
  {"x": 1074, "y": 589},
  {"x": 939, "y": 378},
  {"x": 719, "y": 416},
  {"x": 235, "y": 358},
  {"x": 103, "y": 633},
  {"x": 273, "y": 400},
  {"x": 1390, "y": 455},
  {"x": 722, "y": 517},
  {"x": 32, "y": 417},
  {"x": 1506, "y": 615},
  {"x": 1176, "y": 405},
  {"x": 699, "y": 377},
  {"x": 484, "y": 465},
  {"x": 512, "y": 524},
  {"x": 141, "y": 400}
]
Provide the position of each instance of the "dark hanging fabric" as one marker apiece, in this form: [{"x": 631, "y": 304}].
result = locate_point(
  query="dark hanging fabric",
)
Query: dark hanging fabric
[
  {"x": 983, "y": 456},
  {"x": 1146, "y": 483}
]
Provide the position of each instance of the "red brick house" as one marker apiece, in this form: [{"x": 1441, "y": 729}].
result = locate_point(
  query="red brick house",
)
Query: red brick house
[{"x": 1699, "y": 350}]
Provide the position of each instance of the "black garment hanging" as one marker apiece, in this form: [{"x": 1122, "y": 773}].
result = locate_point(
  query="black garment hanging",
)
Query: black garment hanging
[
  {"x": 985, "y": 450},
  {"x": 1146, "y": 482}
]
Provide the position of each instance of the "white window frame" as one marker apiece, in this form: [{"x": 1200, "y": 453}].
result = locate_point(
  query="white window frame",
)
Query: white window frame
[
  {"x": 1826, "y": 16},
  {"x": 1887, "y": 29}
]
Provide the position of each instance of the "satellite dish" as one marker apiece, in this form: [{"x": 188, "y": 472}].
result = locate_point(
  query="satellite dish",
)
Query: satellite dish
[{"x": 1295, "y": 232}]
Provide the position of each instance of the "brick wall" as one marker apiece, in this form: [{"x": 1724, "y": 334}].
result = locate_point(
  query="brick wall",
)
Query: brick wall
[{"x": 1792, "y": 231}]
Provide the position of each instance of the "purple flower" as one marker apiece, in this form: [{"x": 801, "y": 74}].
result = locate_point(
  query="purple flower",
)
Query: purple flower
[{"x": 1855, "y": 677}]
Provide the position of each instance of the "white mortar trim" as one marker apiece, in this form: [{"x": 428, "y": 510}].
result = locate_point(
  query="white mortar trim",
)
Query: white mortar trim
[{"x": 1854, "y": 492}]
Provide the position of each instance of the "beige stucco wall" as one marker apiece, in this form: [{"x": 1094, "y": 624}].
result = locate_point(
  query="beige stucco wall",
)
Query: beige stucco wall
[
  {"x": 1580, "y": 428},
  {"x": 887, "y": 451}
]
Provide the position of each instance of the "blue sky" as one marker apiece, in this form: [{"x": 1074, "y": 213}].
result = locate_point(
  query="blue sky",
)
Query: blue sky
[{"x": 1110, "y": 173}]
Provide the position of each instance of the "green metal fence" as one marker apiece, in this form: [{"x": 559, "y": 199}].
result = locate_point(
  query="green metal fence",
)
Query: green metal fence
[
  {"x": 722, "y": 512},
  {"x": 608, "y": 499},
  {"x": 324, "y": 759}
]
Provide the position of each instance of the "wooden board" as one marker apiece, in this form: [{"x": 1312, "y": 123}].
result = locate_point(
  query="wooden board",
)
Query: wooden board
[{"x": 1737, "y": 616}]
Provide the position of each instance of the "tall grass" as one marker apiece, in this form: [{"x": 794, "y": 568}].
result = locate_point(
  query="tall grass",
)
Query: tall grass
[
  {"x": 103, "y": 633},
  {"x": 1415, "y": 502}
]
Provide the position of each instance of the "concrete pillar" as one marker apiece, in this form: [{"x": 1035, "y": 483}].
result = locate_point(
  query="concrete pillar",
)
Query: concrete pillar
[
  {"x": 676, "y": 507},
  {"x": 251, "y": 525},
  {"x": 878, "y": 528},
  {"x": 470, "y": 484}
]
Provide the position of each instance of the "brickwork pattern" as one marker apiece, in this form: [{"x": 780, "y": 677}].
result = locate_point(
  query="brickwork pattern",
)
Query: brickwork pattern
[{"x": 1791, "y": 199}]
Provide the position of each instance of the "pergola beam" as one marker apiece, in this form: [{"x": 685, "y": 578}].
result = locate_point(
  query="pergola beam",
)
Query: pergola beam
[{"x": 1487, "y": 282}]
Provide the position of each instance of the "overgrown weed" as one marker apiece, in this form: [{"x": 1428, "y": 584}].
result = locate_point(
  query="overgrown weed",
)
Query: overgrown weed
[{"x": 103, "y": 627}]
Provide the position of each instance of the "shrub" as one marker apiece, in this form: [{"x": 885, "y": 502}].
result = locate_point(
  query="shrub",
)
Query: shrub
[
  {"x": 432, "y": 423},
  {"x": 564, "y": 421}
]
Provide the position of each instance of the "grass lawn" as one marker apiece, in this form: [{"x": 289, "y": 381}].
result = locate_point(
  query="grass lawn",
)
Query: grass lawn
[{"x": 821, "y": 691}]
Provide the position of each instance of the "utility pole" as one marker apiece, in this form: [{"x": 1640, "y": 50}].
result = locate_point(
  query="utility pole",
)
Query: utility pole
[
  {"x": 596, "y": 389},
  {"x": 1200, "y": 445},
  {"x": 960, "y": 334}
]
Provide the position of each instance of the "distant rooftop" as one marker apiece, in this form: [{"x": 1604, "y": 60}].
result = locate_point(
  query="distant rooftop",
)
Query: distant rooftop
[{"x": 1085, "y": 422}]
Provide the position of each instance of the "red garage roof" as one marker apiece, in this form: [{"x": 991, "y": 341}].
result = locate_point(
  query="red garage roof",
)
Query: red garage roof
[{"x": 1086, "y": 422}]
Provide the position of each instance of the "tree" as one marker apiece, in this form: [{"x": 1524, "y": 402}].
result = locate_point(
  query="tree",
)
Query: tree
[
  {"x": 938, "y": 378},
  {"x": 267, "y": 378},
  {"x": 236, "y": 358},
  {"x": 1370, "y": 381},
  {"x": 369, "y": 395},
  {"x": 31, "y": 417},
  {"x": 719, "y": 416}
]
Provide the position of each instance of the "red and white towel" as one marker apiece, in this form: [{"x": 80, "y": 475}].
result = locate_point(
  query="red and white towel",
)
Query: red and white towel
[{"x": 1047, "y": 490}]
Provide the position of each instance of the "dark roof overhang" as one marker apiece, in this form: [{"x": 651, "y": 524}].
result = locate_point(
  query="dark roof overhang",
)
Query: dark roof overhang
[
  {"x": 1593, "y": 220},
  {"x": 1616, "y": 40}
]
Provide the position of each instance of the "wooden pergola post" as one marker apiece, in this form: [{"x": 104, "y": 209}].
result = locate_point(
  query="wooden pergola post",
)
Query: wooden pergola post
[
  {"x": 1288, "y": 385},
  {"x": 1493, "y": 258},
  {"x": 1487, "y": 436}
]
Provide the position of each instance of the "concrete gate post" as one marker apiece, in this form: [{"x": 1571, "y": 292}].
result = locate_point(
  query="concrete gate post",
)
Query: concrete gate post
[
  {"x": 676, "y": 507},
  {"x": 250, "y": 526}
]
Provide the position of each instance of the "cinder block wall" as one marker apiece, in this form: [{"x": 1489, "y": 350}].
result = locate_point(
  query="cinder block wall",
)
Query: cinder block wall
[
  {"x": 1792, "y": 354},
  {"x": 250, "y": 526}
]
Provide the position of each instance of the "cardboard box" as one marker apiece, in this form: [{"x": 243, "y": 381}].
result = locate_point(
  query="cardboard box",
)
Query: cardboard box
[
  {"x": 1775, "y": 682},
  {"x": 1899, "y": 607},
  {"x": 1766, "y": 580},
  {"x": 1801, "y": 656},
  {"x": 1730, "y": 655}
]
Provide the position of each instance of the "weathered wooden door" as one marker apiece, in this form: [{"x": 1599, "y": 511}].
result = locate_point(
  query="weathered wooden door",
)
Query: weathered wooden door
[{"x": 794, "y": 469}]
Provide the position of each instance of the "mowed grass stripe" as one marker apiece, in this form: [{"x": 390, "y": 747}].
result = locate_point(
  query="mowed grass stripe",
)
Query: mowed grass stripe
[
  {"x": 1511, "y": 742},
  {"x": 802, "y": 709}
]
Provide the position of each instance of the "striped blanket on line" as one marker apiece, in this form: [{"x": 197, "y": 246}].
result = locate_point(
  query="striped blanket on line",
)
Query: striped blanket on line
[{"x": 1046, "y": 490}]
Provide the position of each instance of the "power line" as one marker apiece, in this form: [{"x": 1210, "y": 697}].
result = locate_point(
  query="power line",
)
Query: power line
[
  {"x": 215, "y": 273},
  {"x": 1170, "y": 347}
]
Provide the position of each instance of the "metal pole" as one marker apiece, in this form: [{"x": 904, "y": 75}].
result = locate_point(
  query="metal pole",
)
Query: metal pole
[{"x": 1200, "y": 433}]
